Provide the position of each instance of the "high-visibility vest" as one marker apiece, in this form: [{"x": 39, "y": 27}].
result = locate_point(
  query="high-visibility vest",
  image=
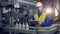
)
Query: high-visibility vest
[{"x": 41, "y": 18}]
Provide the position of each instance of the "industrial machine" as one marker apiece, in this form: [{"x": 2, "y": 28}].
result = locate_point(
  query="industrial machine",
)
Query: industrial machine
[{"x": 16, "y": 16}]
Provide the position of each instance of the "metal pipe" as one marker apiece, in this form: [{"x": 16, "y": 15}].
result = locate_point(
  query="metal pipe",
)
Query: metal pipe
[{"x": 31, "y": 3}]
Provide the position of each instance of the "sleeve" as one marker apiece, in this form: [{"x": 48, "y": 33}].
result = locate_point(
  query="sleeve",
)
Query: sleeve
[
  {"x": 32, "y": 17},
  {"x": 47, "y": 21}
]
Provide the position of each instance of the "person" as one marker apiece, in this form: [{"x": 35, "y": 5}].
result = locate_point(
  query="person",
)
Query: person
[{"x": 42, "y": 18}]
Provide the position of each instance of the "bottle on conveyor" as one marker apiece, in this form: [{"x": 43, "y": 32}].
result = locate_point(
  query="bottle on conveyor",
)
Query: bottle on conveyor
[
  {"x": 23, "y": 26},
  {"x": 20, "y": 26},
  {"x": 27, "y": 26}
]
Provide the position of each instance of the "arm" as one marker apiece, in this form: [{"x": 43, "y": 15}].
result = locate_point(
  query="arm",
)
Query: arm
[
  {"x": 32, "y": 17},
  {"x": 47, "y": 21}
]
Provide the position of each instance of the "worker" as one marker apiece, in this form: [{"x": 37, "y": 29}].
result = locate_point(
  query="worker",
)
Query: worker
[{"x": 42, "y": 18}]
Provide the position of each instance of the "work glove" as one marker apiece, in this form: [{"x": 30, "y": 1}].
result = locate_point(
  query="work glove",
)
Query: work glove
[{"x": 39, "y": 23}]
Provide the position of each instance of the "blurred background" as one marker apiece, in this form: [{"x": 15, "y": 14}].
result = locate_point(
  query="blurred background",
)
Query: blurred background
[{"x": 16, "y": 15}]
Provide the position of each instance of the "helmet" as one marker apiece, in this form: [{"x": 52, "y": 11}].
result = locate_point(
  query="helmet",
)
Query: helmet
[{"x": 39, "y": 4}]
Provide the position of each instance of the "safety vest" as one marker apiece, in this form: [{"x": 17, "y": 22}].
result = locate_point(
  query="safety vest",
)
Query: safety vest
[{"x": 41, "y": 18}]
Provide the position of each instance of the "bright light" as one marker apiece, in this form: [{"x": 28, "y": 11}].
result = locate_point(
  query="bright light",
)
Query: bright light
[
  {"x": 56, "y": 12},
  {"x": 48, "y": 10}
]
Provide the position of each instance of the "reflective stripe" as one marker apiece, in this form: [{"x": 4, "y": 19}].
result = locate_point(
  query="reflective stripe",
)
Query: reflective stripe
[
  {"x": 36, "y": 17},
  {"x": 41, "y": 18}
]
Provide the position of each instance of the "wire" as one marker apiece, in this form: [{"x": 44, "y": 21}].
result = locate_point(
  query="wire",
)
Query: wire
[{"x": 37, "y": 29}]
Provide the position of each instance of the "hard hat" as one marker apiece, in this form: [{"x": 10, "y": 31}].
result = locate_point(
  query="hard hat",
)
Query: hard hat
[
  {"x": 39, "y": 4},
  {"x": 16, "y": 5}
]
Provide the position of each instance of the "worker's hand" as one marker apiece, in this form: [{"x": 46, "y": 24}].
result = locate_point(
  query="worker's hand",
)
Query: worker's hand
[{"x": 39, "y": 23}]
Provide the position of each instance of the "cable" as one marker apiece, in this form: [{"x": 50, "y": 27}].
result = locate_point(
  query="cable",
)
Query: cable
[{"x": 36, "y": 29}]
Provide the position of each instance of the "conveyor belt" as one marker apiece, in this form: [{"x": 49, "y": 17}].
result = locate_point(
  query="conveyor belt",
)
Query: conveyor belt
[{"x": 48, "y": 31}]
